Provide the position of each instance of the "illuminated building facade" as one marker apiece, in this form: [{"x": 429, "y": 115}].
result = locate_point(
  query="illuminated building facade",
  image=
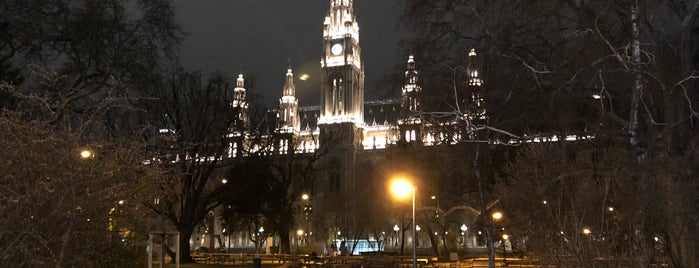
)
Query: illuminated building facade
[{"x": 351, "y": 132}]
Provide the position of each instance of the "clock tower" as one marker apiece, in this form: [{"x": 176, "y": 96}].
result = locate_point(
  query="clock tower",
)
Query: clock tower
[
  {"x": 341, "y": 118},
  {"x": 342, "y": 70}
]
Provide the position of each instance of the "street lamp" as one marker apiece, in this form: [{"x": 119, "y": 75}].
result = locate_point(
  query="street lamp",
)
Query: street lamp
[
  {"x": 436, "y": 203},
  {"x": 85, "y": 154},
  {"x": 489, "y": 235},
  {"x": 396, "y": 229},
  {"x": 464, "y": 228},
  {"x": 382, "y": 239},
  {"x": 226, "y": 242},
  {"x": 401, "y": 189},
  {"x": 417, "y": 240},
  {"x": 299, "y": 233},
  {"x": 504, "y": 241},
  {"x": 307, "y": 209},
  {"x": 497, "y": 215}
]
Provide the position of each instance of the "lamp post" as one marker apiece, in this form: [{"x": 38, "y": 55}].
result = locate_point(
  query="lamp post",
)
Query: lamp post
[
  {"x": 299, "y": 233},
  {"x": 261, "y": 237},
  {"x": 436, "y": 203},
  {"x": 307, "y": 209},
  {"x": 382, "y": 244},
  {"x": 395, "y": 230},
  {"x": 489, "y": 233},
  {"x": 464, "y": 229},
  {"x": 402, "y": 188},
  {"x": 505, "y": 237},
  {"x": 225, "y": 240},
  {"x": 417, "y": 240},
  {"x": 588, "y": 236}
]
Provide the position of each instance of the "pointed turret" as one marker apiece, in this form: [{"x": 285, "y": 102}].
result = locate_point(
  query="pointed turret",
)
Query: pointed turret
[
  {"x": 409, "y": 123},
  {"x": 411, "y": 93},
  {"x": 476, "y": 106},
  {"x": 288, "y": 106},
  {"x": 340, "y": 21},
  {"x": 289, "y": 88},
  {"x": 239, "y": 92},
  {"x": 474, "y": 76},
  {"x": 240, "y": 107}
]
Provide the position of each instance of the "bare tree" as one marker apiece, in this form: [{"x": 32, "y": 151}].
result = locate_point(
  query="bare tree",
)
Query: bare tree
[
  {"x": 68, "y": 198},
  {"x": 96, "y": 51},
  {"x": 556, "y": 60},
  {"x": 267, "y": 183},
  {"x": 69, "y": 70},
  {"x": 196, "y": 119}
]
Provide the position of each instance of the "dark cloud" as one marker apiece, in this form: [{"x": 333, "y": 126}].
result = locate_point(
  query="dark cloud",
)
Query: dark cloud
[{"x": 262, "y": 35}]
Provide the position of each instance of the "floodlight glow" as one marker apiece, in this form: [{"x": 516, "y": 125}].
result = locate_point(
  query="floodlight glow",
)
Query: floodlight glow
[
  {"x": 497, "y": 215},
  {"x": 86, "y": 154},
  {"x": 401, "y": 188}
]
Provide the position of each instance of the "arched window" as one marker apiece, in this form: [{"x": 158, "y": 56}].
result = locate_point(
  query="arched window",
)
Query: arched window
[
  {"x": 337, "y": 93},
  {"x": 341, "y": 92},
  {"x": 334, "y": 95}
]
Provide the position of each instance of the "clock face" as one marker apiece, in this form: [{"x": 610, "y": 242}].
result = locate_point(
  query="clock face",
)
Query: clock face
[{"x": 336, "y": 49}]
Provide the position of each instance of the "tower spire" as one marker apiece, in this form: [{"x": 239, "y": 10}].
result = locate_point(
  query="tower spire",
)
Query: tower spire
[
  {"x": 474, "y": 76},
  {"x": 411, "y": 92},
  {"x": 289, "y": 88},
  {"x": 477, "y": 109},
  {"x": 342, "y": 71},
  {"x": 240, "y": 106},
  {"x": 340, "y": 21},
  {"x": 288, "y": 105}
]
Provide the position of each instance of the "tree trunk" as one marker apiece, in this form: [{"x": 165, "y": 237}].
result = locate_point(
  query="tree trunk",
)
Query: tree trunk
[
  {"x": 485, "y": 218},
  {"x": 402, "y": 239},
  {"x": 284, "y": 242},
  {"x": 212, "y": 231},
  {"x": 433, "y": 241},
  {"x": 634, "y": 131},
  {"x": 444, "y": 241},
  {"x": 284, "y": 228},
  {"x": 185, "y": 249},
  {"x": 639, "y": 246},
  {"x": 689, "y": 243},
  {"x": 64, "y": 245}
]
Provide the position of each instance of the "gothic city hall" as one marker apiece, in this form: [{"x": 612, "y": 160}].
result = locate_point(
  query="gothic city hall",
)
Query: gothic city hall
[
  {"x": 333, "y": 162},
  {"x": 349, "y": 133}
]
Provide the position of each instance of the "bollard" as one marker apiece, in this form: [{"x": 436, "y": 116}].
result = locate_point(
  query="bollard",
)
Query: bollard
[{"x": 257, "y": 262}]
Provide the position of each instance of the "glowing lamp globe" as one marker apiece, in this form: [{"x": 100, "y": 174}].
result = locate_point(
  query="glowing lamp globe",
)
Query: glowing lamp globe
[{"x": 401, "y": 188}]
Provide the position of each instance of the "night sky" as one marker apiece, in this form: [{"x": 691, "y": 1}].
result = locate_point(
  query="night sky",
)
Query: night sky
[{"x": 262, "y": 35}]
